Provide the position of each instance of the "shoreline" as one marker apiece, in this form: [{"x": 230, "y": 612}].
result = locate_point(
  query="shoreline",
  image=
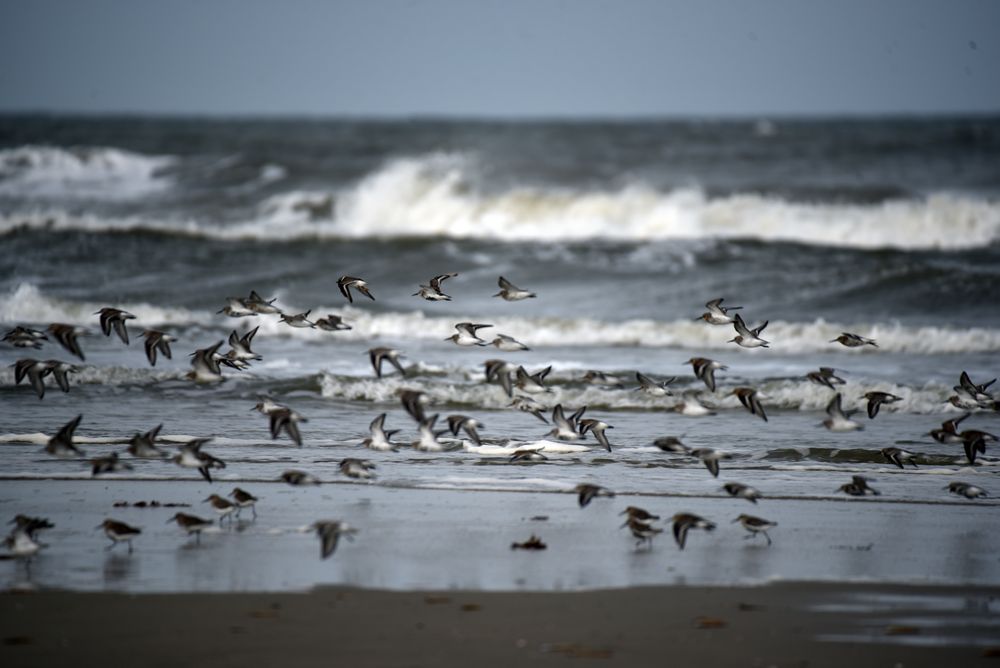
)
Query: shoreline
[{"x": 800, "y": 623}]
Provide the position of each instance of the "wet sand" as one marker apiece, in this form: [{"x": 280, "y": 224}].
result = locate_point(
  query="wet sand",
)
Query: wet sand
[{"x": 783, "y": 624}]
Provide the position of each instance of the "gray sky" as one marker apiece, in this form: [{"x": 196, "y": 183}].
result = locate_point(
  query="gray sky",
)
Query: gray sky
[{"x": 501, "y": 58}]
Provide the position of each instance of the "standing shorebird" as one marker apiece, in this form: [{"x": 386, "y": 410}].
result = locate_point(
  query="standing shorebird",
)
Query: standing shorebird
[
  {"x": 244, "y": 499},
  {"x": 345, "y": 283},
  {"x": 191, "y": 524},
  {"x": 223, "y": 507},
  {"x": 756, "y": 525},
  {"x": 119, "y": 532}
]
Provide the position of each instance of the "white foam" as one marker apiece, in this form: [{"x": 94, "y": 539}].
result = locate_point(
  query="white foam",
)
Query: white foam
[
  {"x": 436, "y": 196},
  {"x": 81, "y": 172}
]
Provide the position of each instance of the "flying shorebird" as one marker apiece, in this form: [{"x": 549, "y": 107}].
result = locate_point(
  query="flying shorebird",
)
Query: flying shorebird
[
  {"x": 236, "y": 307},
  {"x": 717, "y": 313},
  {"x": 898, "y": 456},
  {"x": 508, "y": 344},
  {"x": 839, "y": 420},
  {"x": 973, "y": 393},
  {"x": 205, "y": 365},
  {"x": 190, "y": 456},
  {"x": 858, "y": 487},
  {"x": 531, "y": 383},
  {"x": 853, "y": 340},
  {"x": 383, "y": 354},
  {"x": 67, "y": 335},
  {"x": 113, "y": 317},
  {"x": 119, "y": 532},
  {"x": 428, "y": 441},
  {"x": 61, "y": 445},
  {"x": 60, "y": 371},
  {"x": 748, "y": 338},
  {"x": 143, "y": 446},
  {"x": 601, "y": 379},
  {"x": 286, "y": 419},
  {"x": 432, "y": 291},
  {"x": 108, "y": 464},
  {"x": 586, "y": 493},
  {"x": 329, "y": 532},
  {"x": 357, "y": 468},
  {"x": 756, "y": 525},
  {"x": 500, "y": 371},
  {"x": 379, "y": 439},
  {"x": 510, "y": 292},
  {"x": 672, "y": 444},
  {"x": 566, "y": 429},
  {"x": 967, "y": 490},
  {"x": 750, "y": 400},
  {"x": 643, "y": 531},
  {"x": 529, "y": 405},
  {"x": 470, "y": 425},
  {"x": 240, "y": 346},
  {"x": 692, "y": 406},
  {"x": 299, "y": 320},
  {"x": 299, "y": 478},
  {"x": 345, "y": 283},
  {"x": 641, "y": 514},
  {"x": 652, "y": 387},
  {"x": 596, "y": 427},
  {"x": 258, "y": 304},
  {"x": 25, "y": 337},
  {"x": 684, "y": 522},
  {"x": 35, "y": 371},
  {"x": 710, "y": 458},
  {"x": 413, "y": 403},
  {"x": 156, "y": 341},
  {"x": 467, "y": 334},
  {"x": 31, "y": 525},
  {"x": 704, "y": 370},
  {"x": 948, "y": 433},
  {"x": 331, "y": 323},
  {"x": 741, "y": 491},
  {"x": 826, "y": 376},
  {"x": 876, "y": 399}
]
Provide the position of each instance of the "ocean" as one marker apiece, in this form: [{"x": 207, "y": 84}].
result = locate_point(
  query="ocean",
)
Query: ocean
[{"x": 888, "y": 228}]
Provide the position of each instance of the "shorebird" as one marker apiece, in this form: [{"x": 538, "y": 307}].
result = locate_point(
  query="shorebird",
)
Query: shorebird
[
  {"x": 244, "y": 499},
  {"x": 839, "y": 420},
  {"x": 654, "y": 388},
  {"x": 741, "y": 491},
  {"x": 287, "y": 419},
  {"x": 704, "y": 370},
  {"x": 258, "y": 304},
  {"x": 205, "y": 365},
  {"x": 967, "y": 490},
  {"x": 428, "y": 441},
  {"x": 329, "y": 532},
  {"x": 748, "y": 338},
  {"x": 853, "y": 340},
  {"x": 510, "y": 292},
  {"x": 467, "y": 334},
  {"x": 192, "y": 524},
  {"x": 644, "y": 532},
  {"x": 61, "y": 445},
  {"x": 379, "y": 439},
  {"x": 508, "y": 344},
  {"x": 684, "y": 522},
  {"x": 826, "y": 376},
  {"x": 717, "y": 313},
  {"x": 527, "y": 455},
  {"x": 357, "y": 468},
  {"x": 345, "y": 283},
  {"x": 413, "y": 403},
  {"x": 748, "y": 397},
  {"x": 67, "y": 335},
  {"x": 566, "y": 429},
  {"x": 601, "y": 379},
  {"x": 974, "y": 441},
  {"x": 119, "y": 532},
  {"x": 236, "y": 307},
  {"x": 108, "y": 464},
  {"x": 156, "y": 341},
  {"x": 876, "y": 399},
  {"x": 223, "y": 507},
  {"x": 533, "y": 383},
  {"x": 60, "y": 371},
  {"x": 190, "y": 456},
  {"x": 529, "y": 405},
  {"x": 432, "y": 291},
  {"x": 596, "y": 427},
  {"x": 756, "y": 525},
  {"x": 586, "y": 493},
  {"x": 948, "y": 433},
  {"x": 970, "y": 393},
  {"x": 299, "y": 320},
  {"x": 25, "y": 337},
  {"x": 35, "y": 371},
  {"x": 711, "y": 458},
  {"x": 22, "y": 544},
  {"x": 641, "y": 514},
  {"x": 898, "y": 456},
  {"x": 672, "y": 444},
  {"x": 858, "y": 487},
  {"x": 383, "y": 354},
  {"x": 299, "y": 478},
  {"x": 691, "y": 406},
  {"x": 470, "y": 425},
  {"x": 240, "y": 346},
  {"x": 332, "y": 323},
  {"x": 113, "y": 317},
  {"x": 500, "y": 371}
]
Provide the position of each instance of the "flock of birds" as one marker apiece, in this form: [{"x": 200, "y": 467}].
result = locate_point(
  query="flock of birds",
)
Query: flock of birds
[{"x": 207, "y": 364}]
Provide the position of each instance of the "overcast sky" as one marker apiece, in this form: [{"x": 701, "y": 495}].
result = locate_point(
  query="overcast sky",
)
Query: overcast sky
[{"x": 504, "y": 58}]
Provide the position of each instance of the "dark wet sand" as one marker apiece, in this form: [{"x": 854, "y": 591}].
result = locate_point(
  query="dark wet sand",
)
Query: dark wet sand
[{"x": 775, "y": 625}]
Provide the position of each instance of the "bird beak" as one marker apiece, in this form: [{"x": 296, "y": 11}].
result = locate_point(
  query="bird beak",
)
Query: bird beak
[
  {"x": 735, "y": 521},
  {"x": 101, "y": 526}
]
